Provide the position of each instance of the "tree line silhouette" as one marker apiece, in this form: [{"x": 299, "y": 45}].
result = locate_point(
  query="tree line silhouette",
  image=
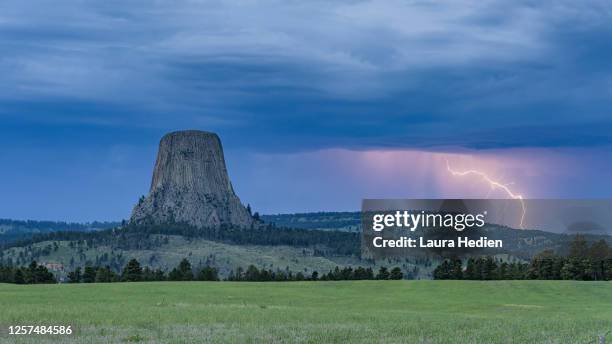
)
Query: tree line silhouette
[
  {"x": 134, "y": 272},
  {"x": 32, "y": 274},
  {"x": 253, "y": 274},
  {"x": 583, "y": 262}
]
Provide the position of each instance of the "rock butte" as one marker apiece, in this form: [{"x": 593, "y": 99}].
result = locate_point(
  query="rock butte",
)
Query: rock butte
[{"x": 190, "y": 184}]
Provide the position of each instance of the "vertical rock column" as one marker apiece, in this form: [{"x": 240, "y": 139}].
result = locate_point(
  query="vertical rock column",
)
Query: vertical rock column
[{"x": 190, "y": 184}]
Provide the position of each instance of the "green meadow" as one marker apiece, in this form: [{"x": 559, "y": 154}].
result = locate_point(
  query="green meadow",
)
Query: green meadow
[{"x": 313, "y": 312}]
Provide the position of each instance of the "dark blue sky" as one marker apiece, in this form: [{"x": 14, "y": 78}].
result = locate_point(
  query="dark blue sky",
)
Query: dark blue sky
[{"x": 303, "y": 95}]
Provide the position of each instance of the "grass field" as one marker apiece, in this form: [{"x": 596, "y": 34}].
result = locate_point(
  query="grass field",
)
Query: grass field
[{"x": 315, "y": 312}]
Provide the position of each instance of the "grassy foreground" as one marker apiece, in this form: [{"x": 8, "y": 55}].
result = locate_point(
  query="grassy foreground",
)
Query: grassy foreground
[{"x": 315, "y": 312}]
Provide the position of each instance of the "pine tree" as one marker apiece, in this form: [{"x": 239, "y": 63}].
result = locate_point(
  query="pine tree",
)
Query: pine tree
[
  {"x": 251, "y": 273},
  {"x": 75, "y": 276},
  {"x": 488, "y": 268},
  {"x": 159, "y": 275},
  {"x": 396, "y": 273},
  {"x": 441, "y": 272},
  {"x": 471, "y": 270},
  {"x": 598, "y": 253},
  {"x": 43, "y": 275},
  {"x": 104, "y": 275},
  {"x": 19, "y": 277},
  {"x": 572, "y": 269},
  {"x": 456, "y": 272},
  {"x": 578, "y": 247},
  {"x": 208, "y": 274},
  {"x": 608, "y": 269},
  {"x": 89, "y": 274},
  {"x": 504, "y": 271},
  {"x": 383, "y": 273},
  {"x": 182, "y": 272},
  {"x": 132, "y": 271},
  {"x": 546, "y": 265}
]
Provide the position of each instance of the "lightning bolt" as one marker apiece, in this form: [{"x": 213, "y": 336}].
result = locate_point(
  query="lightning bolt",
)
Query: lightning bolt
[{"x": 494, "y": 185}]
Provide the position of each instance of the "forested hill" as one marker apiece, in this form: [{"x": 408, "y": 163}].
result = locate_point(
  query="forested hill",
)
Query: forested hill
[
  {"x": 520, "y": 243},
  {"x": 337, "y": 231},
  {"x": 271, "y": 246},
  {"x": 342, "y": 221},
  {"x": 13, "y": 230}
]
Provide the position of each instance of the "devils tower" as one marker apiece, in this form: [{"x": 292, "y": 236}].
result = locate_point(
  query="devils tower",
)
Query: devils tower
[{"x": 190, "y": 184}]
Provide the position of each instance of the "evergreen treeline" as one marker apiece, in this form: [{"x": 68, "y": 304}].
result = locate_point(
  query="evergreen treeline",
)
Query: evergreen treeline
[
  {"x": 318, "y": 220},
  {"x": 133, "y": 272},
  {"x": 132, "y": 236},
  {"x": 55, "y": 225},
  {"x": 483, "y": 268},
  {"x": 361, "y": 273},
  {"x": 17, "y": 230},
  {"x": 253, "y": 274},
  {"x": 583, "y": 262},
  {"x": 33, "y": 274}
]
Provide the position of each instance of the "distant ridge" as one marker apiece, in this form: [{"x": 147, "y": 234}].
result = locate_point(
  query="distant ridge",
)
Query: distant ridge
[{"x": 13, "y": 230}]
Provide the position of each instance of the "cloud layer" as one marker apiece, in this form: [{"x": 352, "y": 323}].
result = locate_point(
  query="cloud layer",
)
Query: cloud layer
[
  {"x": 302, "y": 90},
  {"x": 351, "y": 74}
]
